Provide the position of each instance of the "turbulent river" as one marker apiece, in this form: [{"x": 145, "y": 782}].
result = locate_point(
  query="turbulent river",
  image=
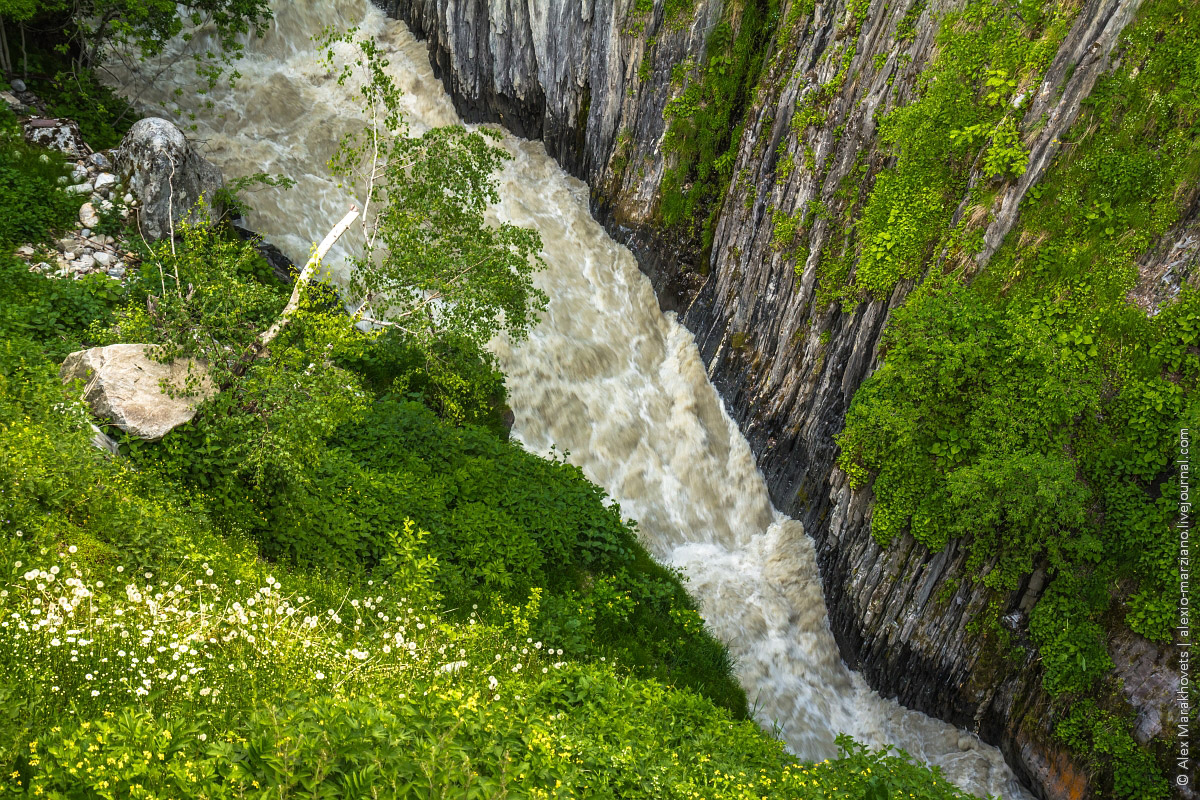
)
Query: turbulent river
[{"x": 605, "y": 376}]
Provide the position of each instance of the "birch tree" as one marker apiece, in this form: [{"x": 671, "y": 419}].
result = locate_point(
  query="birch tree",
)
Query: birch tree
[{"x": 431, "y": 264}]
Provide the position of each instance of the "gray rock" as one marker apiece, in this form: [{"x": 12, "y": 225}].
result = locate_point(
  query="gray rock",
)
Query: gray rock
[
  {"x": 166, "y": 174},
  {"x": 55, "y": 134},
  {"x": 17, "y": 84},
  {"x": 82, "y": 188},
  {"x": 86, "y": 233},
  {"x": 123, "y": 385},
  {"x": 100, "y": 161},
  {"x": 117, "y": 271},
  {"x": 104, "y": 259},
  {"x": 105, "y": 181},
  {"x": 86, "y": 262},
  {"x": 79, "y": 174},
  {"x": 88, "y": 216}
]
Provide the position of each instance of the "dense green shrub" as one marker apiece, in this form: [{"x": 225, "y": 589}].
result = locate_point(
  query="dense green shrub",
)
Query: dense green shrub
[
  {"x": 56, "y": 313},
  {"x": 142, "y": 655},
  {"x": 963, "y": 112},
  {"x": 103, "y": 116},
  {"x": 33, "y": 205}
]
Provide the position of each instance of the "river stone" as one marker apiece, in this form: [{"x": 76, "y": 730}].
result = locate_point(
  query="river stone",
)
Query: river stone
[
  {"x": 105, "y": 181},
  {"x": 100, "y": 161},
  {"x": 123, "y": 386},
  {"x": 166, "y": 174},
  {"x": 17, "y": 85},
  {"x": 88, "y": 216}
]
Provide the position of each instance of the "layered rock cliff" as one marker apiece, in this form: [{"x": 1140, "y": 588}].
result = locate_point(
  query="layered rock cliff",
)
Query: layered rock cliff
[{"x": 592, "y": 80}]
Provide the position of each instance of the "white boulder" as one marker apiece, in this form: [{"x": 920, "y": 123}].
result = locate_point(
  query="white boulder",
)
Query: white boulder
[
  {"x": 125, "y": 386},
  {"x": 57, "y": 134}
]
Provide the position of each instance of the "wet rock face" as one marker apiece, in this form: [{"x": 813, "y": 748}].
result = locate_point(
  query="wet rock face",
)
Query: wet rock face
[
  {"x": 592, "y": 79},
  {"x": 166, "y": 174}
]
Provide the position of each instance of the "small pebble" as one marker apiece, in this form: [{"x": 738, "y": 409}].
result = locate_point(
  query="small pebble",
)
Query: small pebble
[
  {"x": 104, "y": 259},
  {"x": 85, "y": 233},
  {"x": 17, "y": 84},
  {"x": 100, "y": 160},
  {"x": 128, "y": 198}
]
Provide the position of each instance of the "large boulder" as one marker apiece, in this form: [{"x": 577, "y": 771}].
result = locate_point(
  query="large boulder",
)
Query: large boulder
[
  {"x": 166, "y": 175},
  {"x": 124, "y": 385}
]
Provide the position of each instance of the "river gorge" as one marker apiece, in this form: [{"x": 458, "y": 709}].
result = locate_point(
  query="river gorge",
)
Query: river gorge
[{"x": 703, "y": 397}]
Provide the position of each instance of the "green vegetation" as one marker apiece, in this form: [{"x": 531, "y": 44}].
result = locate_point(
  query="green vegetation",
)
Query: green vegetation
[
  {"x": 340, "y": 579},
  {"x": 968, "y": 103},
  {"x": 33, "y": 204},
  {"x": 705, "y": 117},
  {"x": 1034, "y": 413}
]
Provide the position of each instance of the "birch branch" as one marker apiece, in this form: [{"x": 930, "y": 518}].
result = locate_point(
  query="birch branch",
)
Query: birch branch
[{"x": 259, "y": 348}]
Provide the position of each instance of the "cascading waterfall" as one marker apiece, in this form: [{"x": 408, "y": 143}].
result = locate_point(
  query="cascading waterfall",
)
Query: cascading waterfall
[{"x": 605, "y": 376}]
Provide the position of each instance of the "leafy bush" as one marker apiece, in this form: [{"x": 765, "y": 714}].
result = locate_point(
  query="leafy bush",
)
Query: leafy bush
[
  {"x": 962, "y": 112},
  {"x": 103, "y": 116},
  {"x": 33, "y": 205},
  {"x": 56, "y": 313}
]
